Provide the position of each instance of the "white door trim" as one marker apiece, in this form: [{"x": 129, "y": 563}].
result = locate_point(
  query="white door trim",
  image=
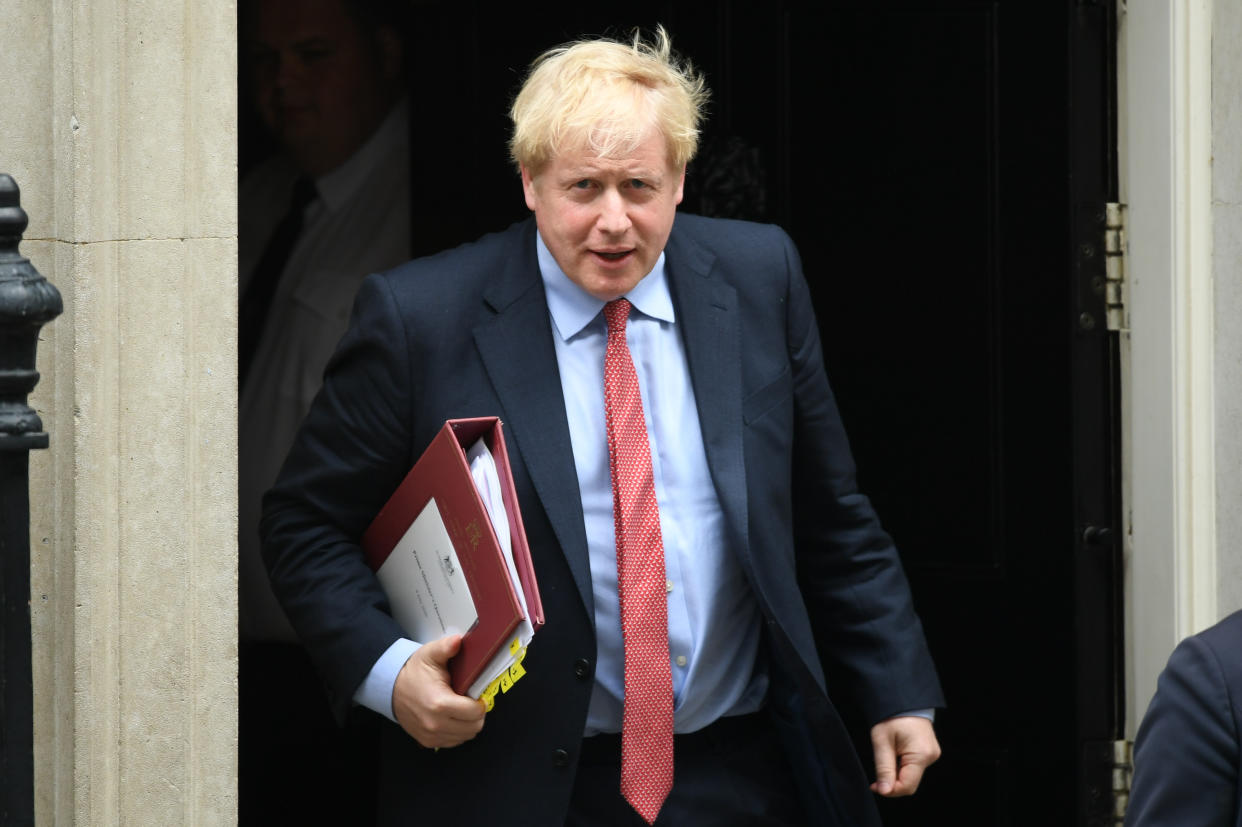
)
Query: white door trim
[{"x": 1165, "y": 133}]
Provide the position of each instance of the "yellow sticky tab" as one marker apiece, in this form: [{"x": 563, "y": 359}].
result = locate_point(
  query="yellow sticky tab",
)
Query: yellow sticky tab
[
  {"x": 489, "y": 694},
  {"x": 515, "y": 646},
  {"x": 516, "y": 671},
  {"x": 506, "y": 682},
  {"x": 520, "y": 655}
]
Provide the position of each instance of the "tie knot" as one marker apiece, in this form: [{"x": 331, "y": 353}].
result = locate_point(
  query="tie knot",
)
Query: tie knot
[{"x": 616, "y": 312}]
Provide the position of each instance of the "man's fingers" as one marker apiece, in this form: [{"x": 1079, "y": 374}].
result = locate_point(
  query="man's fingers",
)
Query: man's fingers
[
  {"x": 433, "y": 659},
  {"x": 904, "y": 747},
  {"x": 425, "y": 704},
  {"x": 909, "y": 777},
  {"x": 885, "y": 764},
  {"x": 442, "y": 726},
  {"x": 440, "y": 652}
]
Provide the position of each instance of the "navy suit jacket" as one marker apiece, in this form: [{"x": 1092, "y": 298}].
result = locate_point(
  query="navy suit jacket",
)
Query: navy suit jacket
[
  {"x": 467, "y": 333},
  {"x": 1187, "y": 766}
]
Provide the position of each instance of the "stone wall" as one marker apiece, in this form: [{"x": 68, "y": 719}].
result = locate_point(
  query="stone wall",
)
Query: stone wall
[
  {"x": 120, "y": 127},
  {"x": 1227, "y": 270}
]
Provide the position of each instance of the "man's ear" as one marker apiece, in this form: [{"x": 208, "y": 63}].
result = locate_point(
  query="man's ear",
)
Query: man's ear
[
  {"x": 528, "y": 187},
  {"x": 681, "y": 186}
]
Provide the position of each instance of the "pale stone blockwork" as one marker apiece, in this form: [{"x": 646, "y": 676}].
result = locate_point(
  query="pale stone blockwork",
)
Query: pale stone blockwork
[
  {"x": 123, "y": 139},
  {"x": 52, "y": 564},
  {"x": 1227, "y": 266}
]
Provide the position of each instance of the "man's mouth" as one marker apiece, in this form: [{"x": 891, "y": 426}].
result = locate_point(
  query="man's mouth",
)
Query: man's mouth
[{"x": 613, "y": 256}]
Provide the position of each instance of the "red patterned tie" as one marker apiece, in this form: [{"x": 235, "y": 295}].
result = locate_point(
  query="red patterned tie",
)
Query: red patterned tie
[{"x": 647, "y": 726}]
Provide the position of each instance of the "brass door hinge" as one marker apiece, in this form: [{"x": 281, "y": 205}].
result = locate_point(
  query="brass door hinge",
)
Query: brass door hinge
[
  {"x": 1116, "y": 287},
  {"x": 1123, "y": 770}
]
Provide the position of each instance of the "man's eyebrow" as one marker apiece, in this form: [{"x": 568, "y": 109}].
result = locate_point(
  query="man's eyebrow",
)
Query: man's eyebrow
[
  {"x": 314, "y": 42},
  {"x": 255, "y": 44}
]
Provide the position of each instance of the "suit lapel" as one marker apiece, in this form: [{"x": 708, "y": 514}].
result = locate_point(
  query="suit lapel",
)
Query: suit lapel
[
  {"x": 520, "y": 359},
  {"x": 708, "y": 315}
]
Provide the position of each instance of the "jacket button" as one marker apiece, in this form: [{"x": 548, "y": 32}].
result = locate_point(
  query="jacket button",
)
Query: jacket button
[
  {"x": 582, "y": 669},
  {"x": 560, "y": 758}
]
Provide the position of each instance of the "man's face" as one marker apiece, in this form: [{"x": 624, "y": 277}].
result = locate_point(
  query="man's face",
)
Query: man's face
[
  {"x": 320, "y": 85},
  {"x": 606, "y": 220}
]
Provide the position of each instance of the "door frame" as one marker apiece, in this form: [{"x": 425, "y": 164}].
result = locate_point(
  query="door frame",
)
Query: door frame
[{"x": 1168, "y": 454}]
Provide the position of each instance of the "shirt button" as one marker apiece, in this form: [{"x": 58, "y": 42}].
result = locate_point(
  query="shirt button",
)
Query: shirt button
[
  {"x": 582, "y": 669},
  {"x": 681, "y": 660},
  {"x": 668, "y": 585},
  {"x": 560, "y": 758}
]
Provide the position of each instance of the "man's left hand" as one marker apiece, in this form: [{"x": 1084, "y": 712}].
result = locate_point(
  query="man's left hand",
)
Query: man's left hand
[{"x": 904, "y": 747}]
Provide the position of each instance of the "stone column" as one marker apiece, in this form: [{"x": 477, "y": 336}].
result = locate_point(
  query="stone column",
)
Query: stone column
[
  {"x": 120, "y": 127},
  {"x": 1227, "y": 265}
]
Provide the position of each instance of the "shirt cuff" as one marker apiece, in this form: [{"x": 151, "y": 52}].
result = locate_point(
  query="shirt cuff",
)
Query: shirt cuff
[
  {"x": 929, "y": 714},
  {"x": 375, "y": 692}
]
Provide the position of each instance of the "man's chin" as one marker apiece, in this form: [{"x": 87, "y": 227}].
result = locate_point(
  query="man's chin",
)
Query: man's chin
[{"x": 609, "y": 286}]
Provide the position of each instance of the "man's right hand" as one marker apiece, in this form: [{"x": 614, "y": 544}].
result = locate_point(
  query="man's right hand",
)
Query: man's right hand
[{"x": 425, "y": 704}]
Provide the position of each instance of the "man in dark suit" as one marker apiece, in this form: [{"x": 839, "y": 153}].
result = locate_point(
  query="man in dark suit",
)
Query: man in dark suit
[
  {"x": 710, "y": 574},
  {"x": 1187, "y": 756}
]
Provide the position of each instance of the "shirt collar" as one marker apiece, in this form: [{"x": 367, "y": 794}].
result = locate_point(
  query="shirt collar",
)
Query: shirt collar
[
  {"x": 573, "y": 308},
  {"x": 338, "y": 186}
]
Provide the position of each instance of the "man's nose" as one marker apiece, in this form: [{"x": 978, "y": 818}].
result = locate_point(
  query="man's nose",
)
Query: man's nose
[
  {"x": 288, "y": 69},
  {"x": 614, "y": 215}
]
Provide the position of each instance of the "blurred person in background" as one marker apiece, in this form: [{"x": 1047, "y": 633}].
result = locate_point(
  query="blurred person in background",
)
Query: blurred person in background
[{"x": 327, "y": 79}]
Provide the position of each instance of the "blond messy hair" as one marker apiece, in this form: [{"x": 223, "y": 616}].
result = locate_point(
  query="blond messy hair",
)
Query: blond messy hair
[{"x": 606, "y": 96}]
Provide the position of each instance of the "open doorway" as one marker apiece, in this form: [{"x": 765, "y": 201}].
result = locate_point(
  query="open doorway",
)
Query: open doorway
[{"x": 943, "y": 167}]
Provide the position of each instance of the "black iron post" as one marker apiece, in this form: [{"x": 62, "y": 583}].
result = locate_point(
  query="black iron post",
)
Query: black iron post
[{"x": 27, "y": 302}]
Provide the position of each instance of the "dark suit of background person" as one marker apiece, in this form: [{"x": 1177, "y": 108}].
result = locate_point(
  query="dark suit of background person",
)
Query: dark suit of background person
[
  {"x": 326, "y": 77},
  {"x": 1188, "y": 753},
  {"x": 838, "y": 618}
]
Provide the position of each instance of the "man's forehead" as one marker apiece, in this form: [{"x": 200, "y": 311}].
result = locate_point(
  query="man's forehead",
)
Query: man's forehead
[
  {"x": 597, "y": 164},
  {"x": 293, "y": 22},
  {"x": 650, "y": 156}
]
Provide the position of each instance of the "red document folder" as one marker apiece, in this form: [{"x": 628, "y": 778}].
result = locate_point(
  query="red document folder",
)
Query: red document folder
[{"x": 443, "y": 473}]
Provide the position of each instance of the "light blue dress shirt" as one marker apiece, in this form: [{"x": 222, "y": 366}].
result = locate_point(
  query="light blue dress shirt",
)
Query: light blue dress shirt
[{"x": 714, "y": 620}]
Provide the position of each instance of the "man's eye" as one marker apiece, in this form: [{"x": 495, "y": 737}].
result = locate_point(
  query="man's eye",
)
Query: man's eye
[
  {"x": 638, "y": 184},
  {"x": 312, "y": 54},
  {"x": 583, "y": 184},
  {"x": 262, "y": 58}
]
